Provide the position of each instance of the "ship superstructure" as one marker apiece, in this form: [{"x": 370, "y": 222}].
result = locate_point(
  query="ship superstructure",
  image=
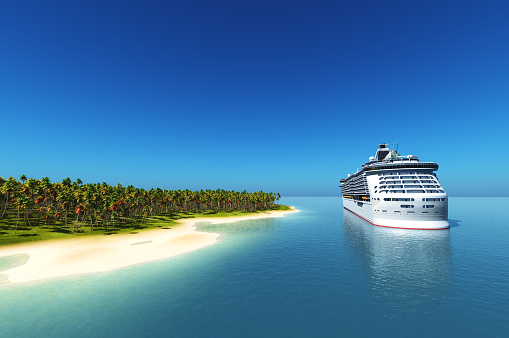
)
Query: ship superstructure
[{"x": 397, "y": 191}]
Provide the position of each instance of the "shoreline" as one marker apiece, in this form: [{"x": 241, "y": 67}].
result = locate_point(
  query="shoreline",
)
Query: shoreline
[{"x": 70, "y": 257}]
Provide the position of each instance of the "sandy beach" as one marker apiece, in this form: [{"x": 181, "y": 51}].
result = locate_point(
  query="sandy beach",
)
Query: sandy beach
[{"x": 60, "y": 258}]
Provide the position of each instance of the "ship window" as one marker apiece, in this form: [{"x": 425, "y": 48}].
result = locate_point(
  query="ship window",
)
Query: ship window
[
  {"x": 415, "y": 191},
  {"x": 428, "y": 206},
  {"x": 406, "y": 206},
  {"x": 410, "y": 212},
  {"x": 387, "y": 199},
  {"x": 425, "y": 212},
  {"x": 433, "y": 199}
]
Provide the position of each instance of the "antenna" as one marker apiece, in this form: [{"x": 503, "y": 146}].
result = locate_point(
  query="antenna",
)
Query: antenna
[
  {"x": 394, "y": 145},
  {"x": 394, "y": 151}
]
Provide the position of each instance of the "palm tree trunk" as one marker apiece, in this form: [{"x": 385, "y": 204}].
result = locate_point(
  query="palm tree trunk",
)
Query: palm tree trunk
[
  {"x": 76, "y": 223},
  {"x": 5, "y": 205},
  {"x": 28, "y": 221},
  {"x": 17, "y": 221}
]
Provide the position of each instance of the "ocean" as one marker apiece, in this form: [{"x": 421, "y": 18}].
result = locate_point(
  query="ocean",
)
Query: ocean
[{"x": 322, "y": 272}]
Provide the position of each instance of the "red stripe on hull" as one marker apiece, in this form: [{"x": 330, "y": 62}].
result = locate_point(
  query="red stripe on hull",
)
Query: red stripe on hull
[{"x": 385, "y": 226}]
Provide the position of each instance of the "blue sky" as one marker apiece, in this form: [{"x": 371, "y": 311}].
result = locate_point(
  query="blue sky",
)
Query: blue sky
[{"x": 282, "y": 96}]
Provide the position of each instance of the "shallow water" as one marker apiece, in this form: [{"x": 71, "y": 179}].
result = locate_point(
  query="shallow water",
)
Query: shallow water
[{"x": 321, "y": 272}]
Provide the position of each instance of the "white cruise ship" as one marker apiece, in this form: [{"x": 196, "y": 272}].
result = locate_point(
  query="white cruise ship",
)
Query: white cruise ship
[{"x": 397, "y": 192}]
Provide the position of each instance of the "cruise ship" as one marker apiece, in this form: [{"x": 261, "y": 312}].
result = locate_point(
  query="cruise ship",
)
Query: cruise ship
[{"x": 397, "y": 192}]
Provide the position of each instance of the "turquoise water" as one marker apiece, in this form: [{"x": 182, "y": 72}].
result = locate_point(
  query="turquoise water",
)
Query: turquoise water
[{"x": 321, "y": 272}]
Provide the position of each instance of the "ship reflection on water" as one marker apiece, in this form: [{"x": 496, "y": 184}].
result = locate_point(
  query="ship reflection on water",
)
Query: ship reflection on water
[{"x": 409, "y": 265}]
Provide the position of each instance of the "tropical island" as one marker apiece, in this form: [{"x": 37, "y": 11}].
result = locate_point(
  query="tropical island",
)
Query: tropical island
[{"x": 107, "y": 227}]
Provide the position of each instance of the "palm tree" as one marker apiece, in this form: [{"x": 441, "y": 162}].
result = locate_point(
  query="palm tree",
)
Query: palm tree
[{"x": 9, "y": 188}]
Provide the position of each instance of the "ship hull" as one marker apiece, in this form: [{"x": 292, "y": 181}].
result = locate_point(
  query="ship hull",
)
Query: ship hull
[{"x": 365, "y": 211}]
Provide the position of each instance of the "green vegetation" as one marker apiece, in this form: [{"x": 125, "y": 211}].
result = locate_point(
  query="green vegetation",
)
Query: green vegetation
[{"x": 32, "y": 210}]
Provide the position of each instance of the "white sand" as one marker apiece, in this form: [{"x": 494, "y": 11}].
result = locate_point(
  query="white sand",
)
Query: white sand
[{"x": 66, "y": 257}]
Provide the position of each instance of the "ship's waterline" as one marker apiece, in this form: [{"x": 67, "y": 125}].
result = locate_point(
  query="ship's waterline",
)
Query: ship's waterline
[{"x": 397, "y": 191}]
